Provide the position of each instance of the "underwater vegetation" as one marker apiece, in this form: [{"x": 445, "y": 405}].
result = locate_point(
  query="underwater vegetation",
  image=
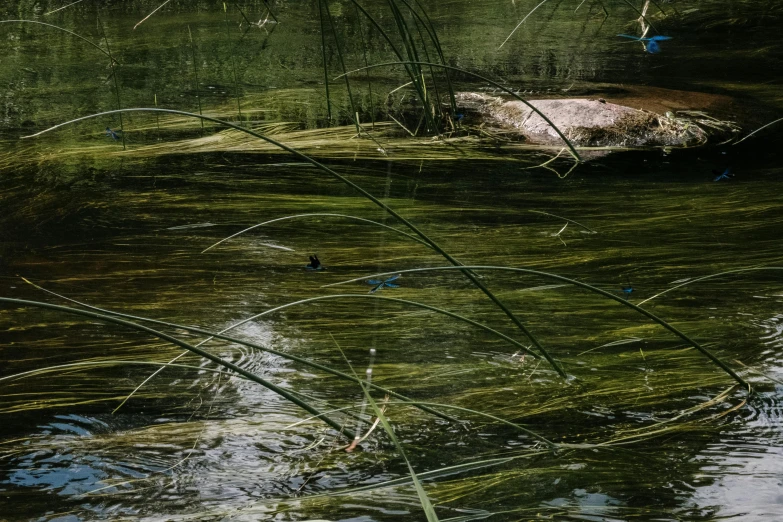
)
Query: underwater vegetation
[{"x": 464, "y": 343}]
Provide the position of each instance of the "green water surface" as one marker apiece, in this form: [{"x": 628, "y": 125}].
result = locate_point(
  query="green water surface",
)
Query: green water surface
[{"x": 646, "y": 429}]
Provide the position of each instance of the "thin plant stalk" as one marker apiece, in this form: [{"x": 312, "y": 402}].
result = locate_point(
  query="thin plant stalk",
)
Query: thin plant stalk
[
  {"x": 256, "y": 346},
  {"x": 233, "y": 63},
  {"x": 366, "y": 62},
  {"x": 316, "y": 214},
  {"x": 152, "y": 13},
  {"x": 416, "y": 304},
  {"x": 173, "y": 340},
  {"x": 357, "y": 188},
  {"x": 642, "y": 16},
  {"x": 195, "y": 73},
  {"x": 757, "y": 130},
  {"x": 80, "y": 37},
  {"x": 157, "y": 117},
  {"x": 342, "y": 62},
  {"x": 413, "y": 71},
  {"x": 711, "y": 276},
  {"x": 426, "y": 504},
  {"x": 116, "y": 86},
  {"x": 63, "y": 7},
  {"x": 574, "y": 282},
  {"x": 430, "y": 28},
  {"x": 522, "y": 22},
  {"x": 326, "y": 66},
  {"x": 565, "y": 219}
]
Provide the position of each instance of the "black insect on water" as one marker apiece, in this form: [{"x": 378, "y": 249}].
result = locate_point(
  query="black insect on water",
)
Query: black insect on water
[{"x": 315, "y": 263}]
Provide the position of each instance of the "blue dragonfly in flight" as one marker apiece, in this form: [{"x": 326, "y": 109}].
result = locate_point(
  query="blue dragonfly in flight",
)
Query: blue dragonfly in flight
[
  {"x": 726, "y": 174},
  {"x": 378, "y": 284},
  {"x": 112, "y": 134},
  {"x": 650, "y": 44}
]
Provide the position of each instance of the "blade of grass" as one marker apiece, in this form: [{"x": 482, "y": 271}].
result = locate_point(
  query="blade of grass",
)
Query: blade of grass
[
  {"x": 565, "y": 219},
  {"x": 426, "y": 504},
  {"x": 242, "y": 342},
  {"x": 366, "y": 62},
  {"x": 711, "y": 276},
  {"x": 641, "y": 14},
  {"x": 400, "y": 301},
  {"x": 63, "y": 7},
  {"x": 314, "y": 214},
  {"x": 757, "y": 130},
  {"x": 522, "y": 22},
  {"x": 82, "y": 38},
  {"x": 116, "y": 85},
  {"x": 412, "y": 71},
  {"x": 436, "y": 42},
  {"x": 357, "y": 188},
  {"x": 195, "y": 73},
  {"x": 152, "y": 13},
  {"x": 233, "y": 62},
  {"x": 325, "y": 64},
  {"x": 113, "y": 362},
  {"x": 580, "y": 284},
  {"x": 342, "y": 62},
  {"x": 173, "y": 340}
]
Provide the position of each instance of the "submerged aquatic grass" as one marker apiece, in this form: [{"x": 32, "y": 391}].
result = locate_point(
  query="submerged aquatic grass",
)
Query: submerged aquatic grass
[{"x": 489, "y": 430}]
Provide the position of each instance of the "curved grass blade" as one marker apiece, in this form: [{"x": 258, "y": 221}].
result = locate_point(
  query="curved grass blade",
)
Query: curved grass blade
[
  {"x": 233, "y": 62},
  {"x": 520, "y": 23},
  {"x": 642, "y": 15},
  {"x": 116, "y": 84},
  {"x": 113, "y": 362},
  {"x": 357, "y": 188},
  {"x": 565, "y": 219},
  {"x": 152, "y": 13},
  {"x": 436, "y": 42},
  {"x": 401, "y": 301},
  {"x": 342, "y": 62},
  {"x": 173, "y": 340},
  {"x": 426, "y": 504},
  {"x": 757, "y": 130},
  {"x": 411, "y": 50},
  {"x": 494, "y": 84},
  {"x": 80, "y": 37},
  {"x": 345, "y": 216},
  {"x": 63, "y": 7},
  {"x": 487, "y": 415},
  {"x": 580, "y": 284},
  {"x": 413, "y": 72},
  {"x": 326, "y": 67},
  {"x": 711, "y": 276},
  {"x": 195, "y": 72},
  {"x": 249, "y": 344}
]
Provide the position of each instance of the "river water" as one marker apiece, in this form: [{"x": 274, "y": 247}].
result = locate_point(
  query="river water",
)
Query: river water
[{"x": 656, "y": 431}]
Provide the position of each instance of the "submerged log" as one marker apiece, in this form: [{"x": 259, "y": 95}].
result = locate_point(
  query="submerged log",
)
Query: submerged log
[{"x": 591, "y": 122}]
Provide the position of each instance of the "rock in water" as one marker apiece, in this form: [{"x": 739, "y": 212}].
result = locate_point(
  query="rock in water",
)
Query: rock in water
[{"x": 587, "y": 123}]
